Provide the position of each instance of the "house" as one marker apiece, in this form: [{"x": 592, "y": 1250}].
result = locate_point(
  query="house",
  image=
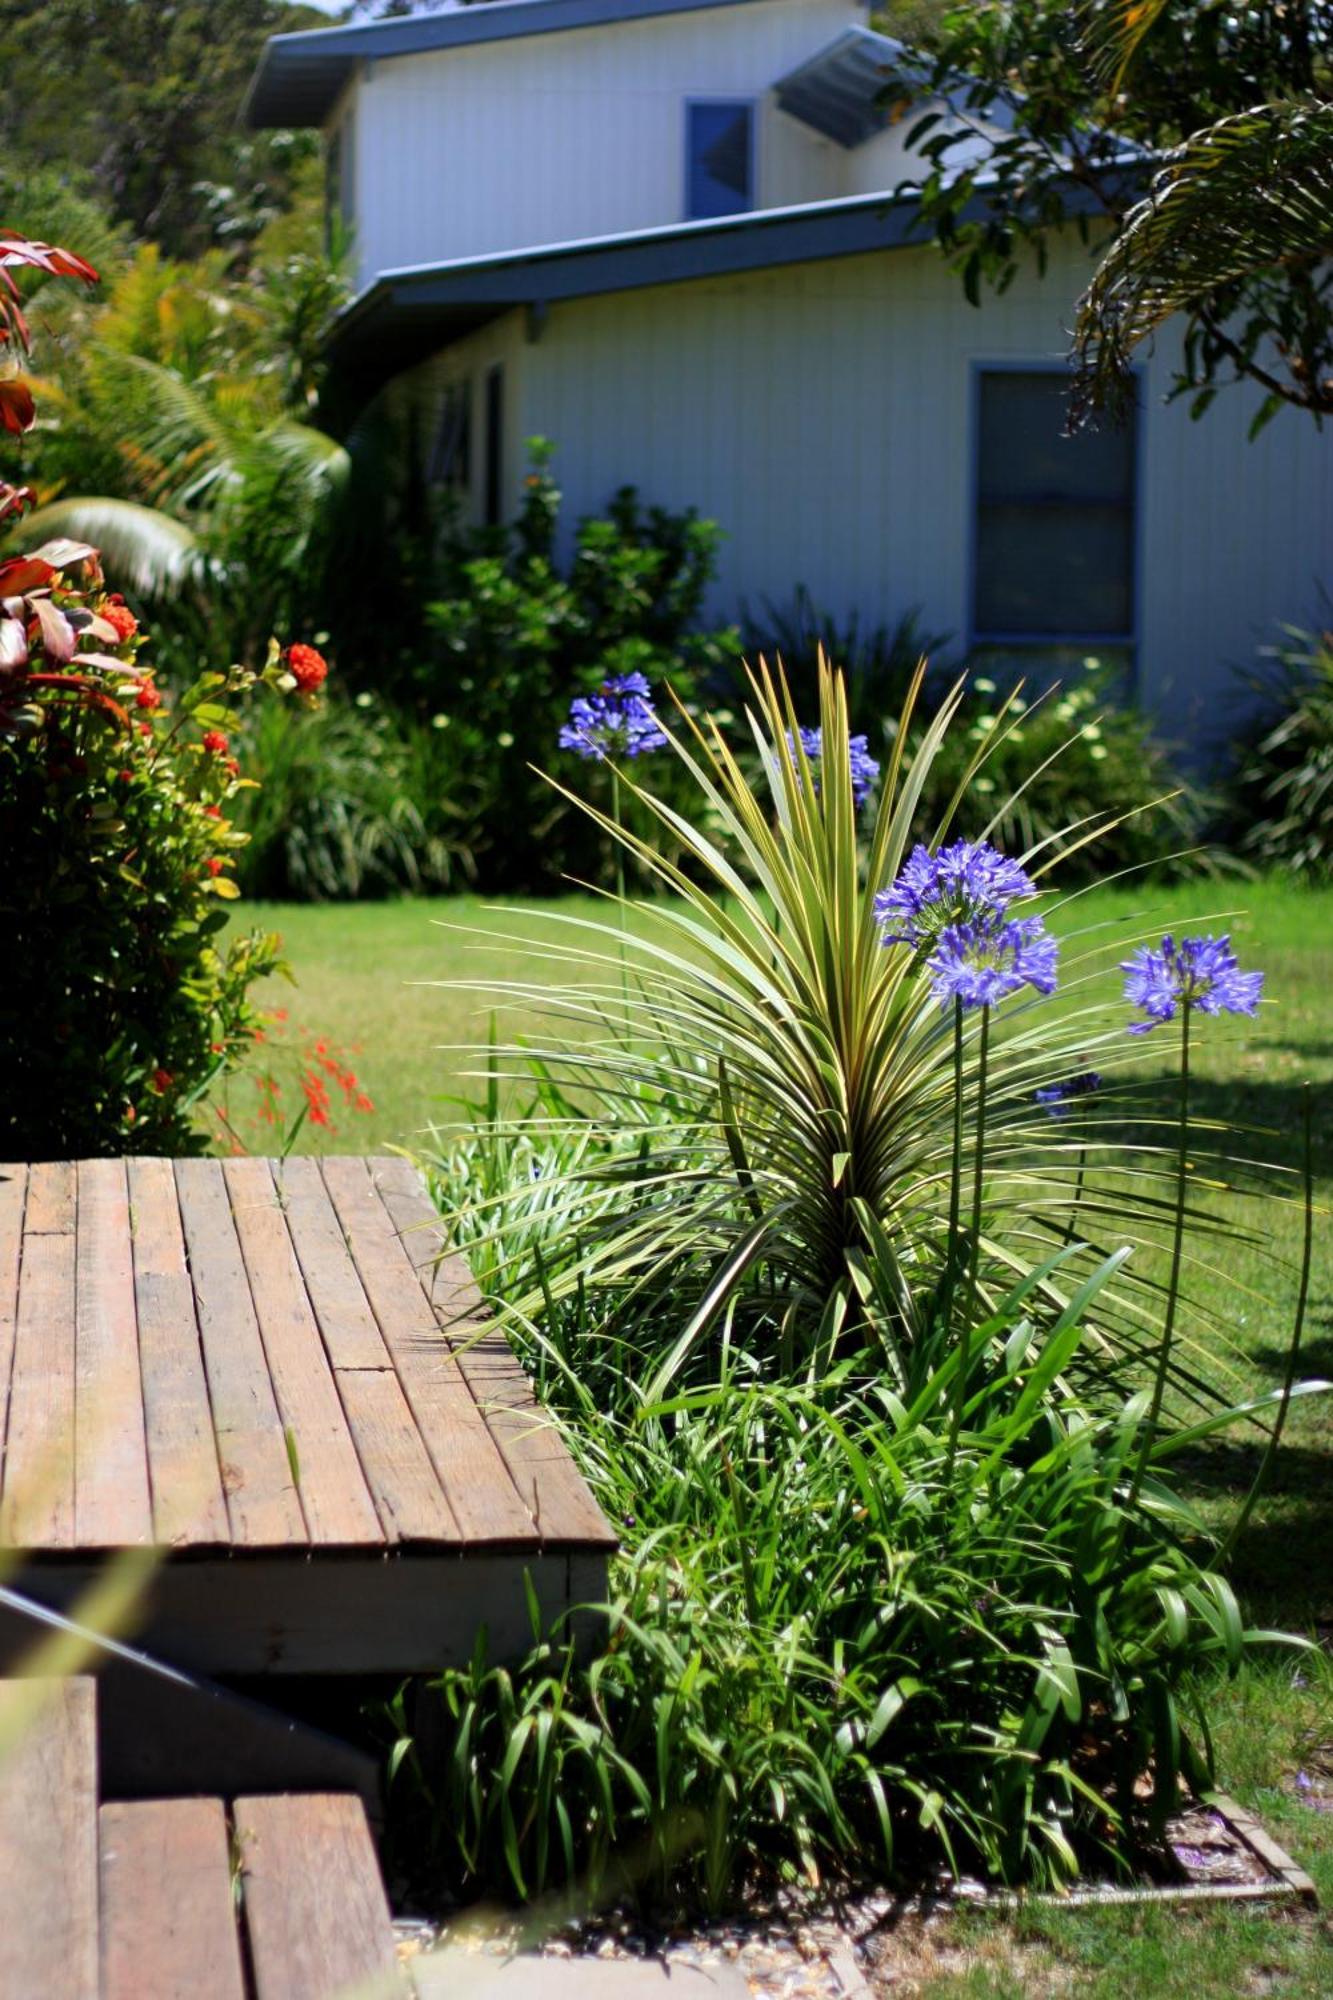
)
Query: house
[{"x": 666, "y": 235}]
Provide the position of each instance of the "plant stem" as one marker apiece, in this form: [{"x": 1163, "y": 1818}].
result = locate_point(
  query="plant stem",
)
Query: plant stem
[
  {"x": 956, "y": 1171},
  {"x": 1293, "y": 1352},
  {"x": 1177, "y": 1249},
  {"x": 619, "y": 845},
  {"x": 1078, "y": 1191},
  {"x": 974, "y": 1257}
]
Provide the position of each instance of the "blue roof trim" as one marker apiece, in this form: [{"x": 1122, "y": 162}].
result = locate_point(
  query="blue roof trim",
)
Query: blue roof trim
[
  {"x": 300, "y": 76},
  {"x": 408, "y": 314}
]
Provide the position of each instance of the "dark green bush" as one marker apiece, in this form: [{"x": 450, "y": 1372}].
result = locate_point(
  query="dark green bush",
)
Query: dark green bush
[
  {"x": 120, "y": 1007},
  {"x": 1072, "y": 756},
  {"x": 358, "y": 800},
  {"x": 1282, "y": 794},
  {"x": 878, "y": 662},
  {"x": 516, "y": 637}
]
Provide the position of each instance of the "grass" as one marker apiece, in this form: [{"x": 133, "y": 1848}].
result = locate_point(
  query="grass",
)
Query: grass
[{"x": 364, "y": 976}]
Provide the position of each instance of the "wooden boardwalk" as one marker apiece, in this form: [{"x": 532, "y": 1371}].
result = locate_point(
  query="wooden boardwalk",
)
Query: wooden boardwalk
[{"x": 269, "y": 1371}]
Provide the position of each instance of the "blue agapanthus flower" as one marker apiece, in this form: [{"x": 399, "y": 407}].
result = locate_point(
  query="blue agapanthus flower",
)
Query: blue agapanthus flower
[
  {"x": 981, "y": 962},
  {"x": 965, "y": 883},
  {"x": 864, "y": 768},
  {"x": 1200, "y": 970},
  {"x": 618, "y": 721},
  {"x": 1057, "y": 1097}
]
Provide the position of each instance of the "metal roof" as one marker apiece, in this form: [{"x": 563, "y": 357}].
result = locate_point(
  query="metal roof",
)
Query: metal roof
[
  {"x": 837, "y": 92},
  {"x": 407, "y": 315},
  {"x": 300, "y": 76}
]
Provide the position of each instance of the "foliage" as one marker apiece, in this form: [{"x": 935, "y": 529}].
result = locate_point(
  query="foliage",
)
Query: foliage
[
  {"x": 1084, "y": 107},
  {"x": 517, "y": 635},
  {"x": 142, "y": 102},
  {"x": 877, "y": 664},
  {"x": 122, "y": 1006},
  {"x": 358, "y": 800},
  {"x": 907, "y": 1581},
  {"x": 1077, "y": 755},
  {"x": 1282, "y": 795}
]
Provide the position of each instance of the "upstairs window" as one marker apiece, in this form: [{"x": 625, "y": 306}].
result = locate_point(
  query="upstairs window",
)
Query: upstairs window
[
  {"x": 719, "y": 159},
  {"x": 1055, "y": 519}
]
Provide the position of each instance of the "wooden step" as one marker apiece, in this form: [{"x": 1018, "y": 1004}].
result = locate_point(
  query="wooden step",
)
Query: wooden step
[
  {"x": 168, "y": 1907},
  {"x": 48, "y": 1839},
  {"x": 316, "y": 1914}
]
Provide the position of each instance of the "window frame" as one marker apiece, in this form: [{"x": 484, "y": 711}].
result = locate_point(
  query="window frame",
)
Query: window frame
[
  {"x": 978, "y": 641},
  {"x": 750, "y": 105}
]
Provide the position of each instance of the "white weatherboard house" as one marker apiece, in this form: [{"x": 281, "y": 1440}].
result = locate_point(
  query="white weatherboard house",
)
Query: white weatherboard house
[{"x": 663, "y": 233}]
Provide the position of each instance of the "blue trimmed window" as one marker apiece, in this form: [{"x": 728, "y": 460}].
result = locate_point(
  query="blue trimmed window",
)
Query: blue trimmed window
[
  {"x": 719, "y": 159},
  {"x": 1055, "y": 519}
]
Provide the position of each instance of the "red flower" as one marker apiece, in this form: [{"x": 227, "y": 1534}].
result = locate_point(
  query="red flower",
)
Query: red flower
[
  {"x": 307, "y": 668},
  {"x": 145, "y": 729},
  {"x": 148, "y": 697},
  {"x": 232, "y": 768},
  {"x": 213, "y": 812},
  {"x": 121, "y": 619},
  {"x": 127, "y": 777},
  {"x": 215, "y": 742},
  {"x": 162, "y": 1080},
  {"x": 213, "y": 865}
]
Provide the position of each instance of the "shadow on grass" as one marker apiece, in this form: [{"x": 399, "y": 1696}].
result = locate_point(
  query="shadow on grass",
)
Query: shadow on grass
[{"x": 1263, "y": 1119}]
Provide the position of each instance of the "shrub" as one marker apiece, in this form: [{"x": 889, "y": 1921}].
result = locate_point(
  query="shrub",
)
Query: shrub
[
  {"x": 1282, "y": 793},
  {"x": 843, "y": 1328},
  {"x": 517, "y": 638},
  {"x": 122, "y": 1007},
  {"x": 358, "y": 800},
  {"x": 1078, "y": 755},
  {"x": 877, "y": 664}
]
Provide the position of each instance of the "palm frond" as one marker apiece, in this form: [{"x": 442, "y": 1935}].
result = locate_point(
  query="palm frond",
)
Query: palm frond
[
  {"x": 1114, "y": 31},
  {"x": 1251, "y": 194},
  {"x": 146, "y": 551}
]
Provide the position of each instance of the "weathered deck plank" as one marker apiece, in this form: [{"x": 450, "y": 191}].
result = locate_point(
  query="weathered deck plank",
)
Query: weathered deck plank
[
  {"x": 168, "y": 1915},
  {"x": 37, "y": 1504},
  {"x": 188, "y": 1502},
  {"x": 315, "y": 1910},
  {"x": 467, "y": 1460},
  {"x": 263, "y": 1504},
  {"x": 538, "y": 1459},
  {"x": 338, "y": 1507},
  {"x": 13, "y": 1193},
  {"x": 48, "y": 1839},
  {"x": 397, "y": 1466},
  {"x": 112, "y": 1508}
]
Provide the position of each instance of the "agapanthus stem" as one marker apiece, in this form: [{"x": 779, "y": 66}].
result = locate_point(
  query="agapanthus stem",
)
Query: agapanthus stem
[
  {"x": 1078, "y": 1191},
  {"x": 1293, "y": 1352},
  {"x": 956, "y": 1166},
  {"x": 974, "y": 1255},
  {"x": 619, "y": 845},
  {"x": 1177, "y": 1251}
]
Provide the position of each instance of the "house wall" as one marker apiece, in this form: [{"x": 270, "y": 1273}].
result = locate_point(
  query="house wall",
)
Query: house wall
[
  {"x": 554, "y": 137},
  {"x": 823, "y": 414}
]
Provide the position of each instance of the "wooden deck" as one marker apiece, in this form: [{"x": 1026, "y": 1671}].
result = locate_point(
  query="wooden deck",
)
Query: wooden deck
[{"x": 270, "y": 1372}]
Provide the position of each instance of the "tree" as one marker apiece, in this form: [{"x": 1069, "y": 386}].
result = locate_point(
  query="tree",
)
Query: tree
[
  {"x": 1198, "y": 138},
  {"x": 141, "y": 98}
]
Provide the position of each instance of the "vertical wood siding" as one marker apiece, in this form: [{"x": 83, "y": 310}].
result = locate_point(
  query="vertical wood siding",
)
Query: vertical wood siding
[
  {"x": 823, "y": 415},
  {"x": 555, "y": 137}
]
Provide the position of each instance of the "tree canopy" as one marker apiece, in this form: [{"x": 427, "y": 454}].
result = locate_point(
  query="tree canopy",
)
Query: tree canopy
[{"x": 1197, "y": 138}]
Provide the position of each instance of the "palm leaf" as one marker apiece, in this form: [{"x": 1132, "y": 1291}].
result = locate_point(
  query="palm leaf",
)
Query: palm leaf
[
  {"x": 150, "y": 553},
  {"x": 1249, "y": 195}
]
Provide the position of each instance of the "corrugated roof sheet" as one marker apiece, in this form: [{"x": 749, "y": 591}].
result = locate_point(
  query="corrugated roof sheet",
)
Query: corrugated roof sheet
[{"x": 837, "y": 92}]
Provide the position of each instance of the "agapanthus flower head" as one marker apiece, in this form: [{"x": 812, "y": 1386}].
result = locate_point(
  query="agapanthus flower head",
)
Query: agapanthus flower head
[
  {"x": 618, "y": 721},
  {"x": 1199, "y": 971},
  {"x": 864, "y": 768},
  {"x": 982, "y": 962},
  {"x": 1057, "y": 1097},
  {"x": 967, "y": 882}
]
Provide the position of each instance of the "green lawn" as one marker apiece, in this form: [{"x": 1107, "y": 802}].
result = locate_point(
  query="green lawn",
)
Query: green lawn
[{"x": 366, "y": 979}]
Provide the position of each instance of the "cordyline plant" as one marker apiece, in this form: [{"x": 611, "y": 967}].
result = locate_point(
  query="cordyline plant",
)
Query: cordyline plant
[
  {"x": 818, "y": 1087},
  {"x": 814, "y": 1240},
  {"x": 121, "y": 1006}
]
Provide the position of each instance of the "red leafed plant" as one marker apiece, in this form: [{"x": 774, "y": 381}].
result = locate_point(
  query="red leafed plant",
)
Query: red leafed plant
[{"x": 126, "y": 999}]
